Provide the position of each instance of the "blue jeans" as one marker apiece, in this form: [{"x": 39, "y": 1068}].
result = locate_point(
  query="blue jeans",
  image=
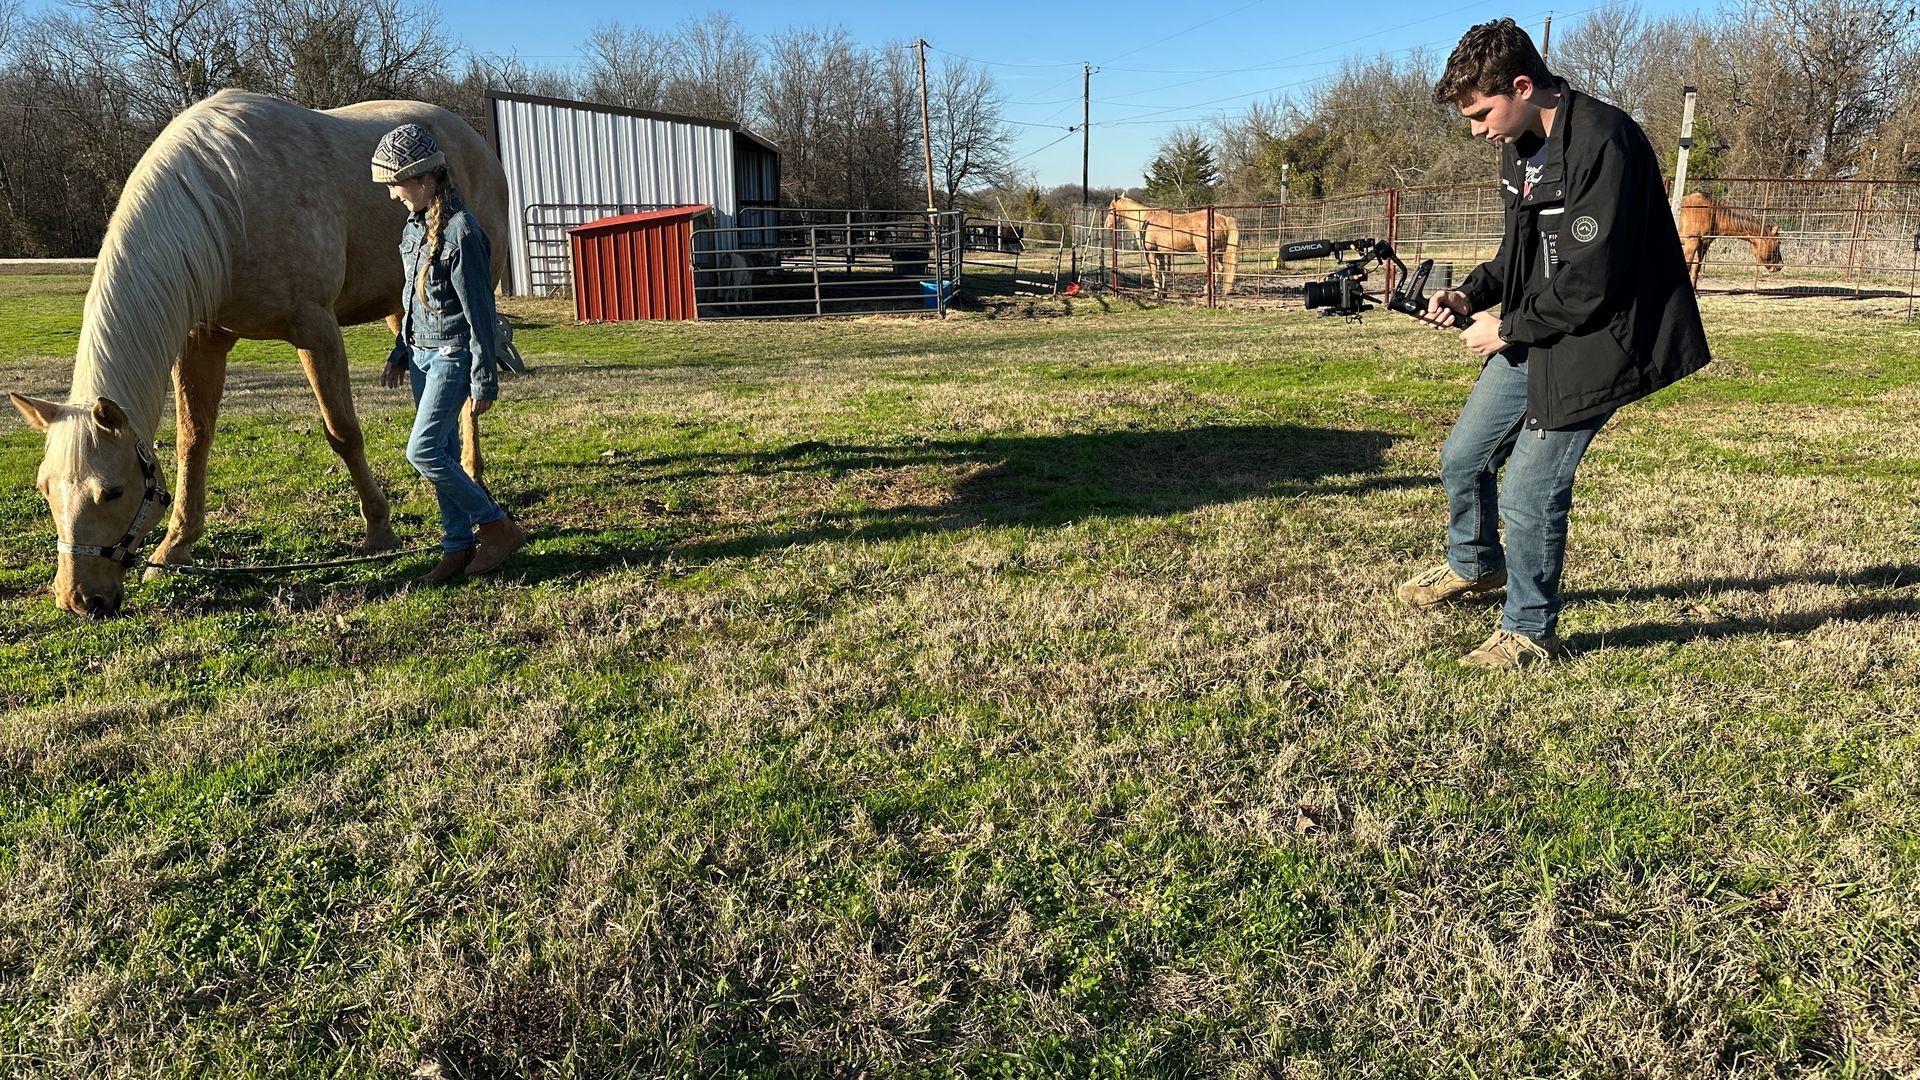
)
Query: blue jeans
[
  {"x": 440, "y": 378},
  {"x": 1533, "y": 499}
]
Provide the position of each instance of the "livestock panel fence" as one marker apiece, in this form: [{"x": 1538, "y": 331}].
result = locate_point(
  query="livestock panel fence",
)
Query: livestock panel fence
[{"x": 1857, "y": 238}]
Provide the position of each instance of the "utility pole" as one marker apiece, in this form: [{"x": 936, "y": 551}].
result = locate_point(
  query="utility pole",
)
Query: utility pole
[
  {"x": 926, "y": 128},
  {"x": 1686, "y": 147},
  {"x": 939, "y": 247},
  {"x": 1086, "y": 114},
  {"x": 1546, "y": 37}
]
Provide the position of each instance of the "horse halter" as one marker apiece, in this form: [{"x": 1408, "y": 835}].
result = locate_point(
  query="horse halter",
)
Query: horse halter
[{"x": 126, "y": 550}]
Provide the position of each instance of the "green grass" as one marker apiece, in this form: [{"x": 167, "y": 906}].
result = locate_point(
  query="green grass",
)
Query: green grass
[{"x": 1019, "y": 695}]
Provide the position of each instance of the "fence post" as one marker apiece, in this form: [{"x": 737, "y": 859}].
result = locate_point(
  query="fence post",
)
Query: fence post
[
  {"x": 1208, "y": 244},
  {"x": 1859, "y": 230},
  {"x": 1113, "y": 256},
  {"x": 1686, "y": 147},
  {"x": 1393, "y": 234},
  {"x": 813, "y": 260}
]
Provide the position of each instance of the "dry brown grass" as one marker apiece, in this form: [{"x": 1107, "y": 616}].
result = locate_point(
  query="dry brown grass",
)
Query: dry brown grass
[{"x": 1004, "y": 697}]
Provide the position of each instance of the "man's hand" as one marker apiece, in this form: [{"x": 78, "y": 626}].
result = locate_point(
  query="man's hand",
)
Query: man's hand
[
  {"x": 1483, "y": 334},
  {"x": 480, "y": 405},
  {"x": 1444, "y": 307},
  {"x": 393, "y": 375}
]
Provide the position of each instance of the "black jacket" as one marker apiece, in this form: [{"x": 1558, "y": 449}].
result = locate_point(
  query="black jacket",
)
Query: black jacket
[{"x": 1604, "y": 309}]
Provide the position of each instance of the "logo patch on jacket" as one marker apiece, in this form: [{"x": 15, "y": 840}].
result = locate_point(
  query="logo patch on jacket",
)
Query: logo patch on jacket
[{"x": 1585, "y": 229}]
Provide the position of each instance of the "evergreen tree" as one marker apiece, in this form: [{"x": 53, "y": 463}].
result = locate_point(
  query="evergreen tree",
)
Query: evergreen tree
[{"x": 1184, "y": 172}]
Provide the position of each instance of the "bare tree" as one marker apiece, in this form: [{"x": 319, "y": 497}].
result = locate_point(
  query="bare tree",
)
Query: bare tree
[
  {"x": 516, "y": 76},
  {"x": 1375, "y": 125},
  {"x": 715, "y": 67},
  {"x": 1251, "y": 151},
  {"x": 164, "y": 54},
  {"x": 1604, "y": 56},
  {"x": 971, "y": 143},
  {"x": 328, "y": 53},
  {"x": 69, "y": 135},
  {"x": 839, "y": 114},
  {"x": 1841, "y": 57},
  {"x": 626, "y": 67}
]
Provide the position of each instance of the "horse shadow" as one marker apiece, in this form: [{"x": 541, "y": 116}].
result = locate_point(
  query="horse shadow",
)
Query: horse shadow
[{"x": 1019, "y": 480}]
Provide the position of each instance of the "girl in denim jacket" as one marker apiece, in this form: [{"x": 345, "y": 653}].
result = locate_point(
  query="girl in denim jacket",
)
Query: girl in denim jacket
[{"x": 445, "y": 347}]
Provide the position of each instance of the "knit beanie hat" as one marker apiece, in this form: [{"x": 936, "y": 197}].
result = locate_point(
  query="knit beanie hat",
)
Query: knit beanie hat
[{"x": 406, "y": 151}]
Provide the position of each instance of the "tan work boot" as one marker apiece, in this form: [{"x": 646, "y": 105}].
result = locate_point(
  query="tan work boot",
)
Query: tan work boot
[
  {"x": 1440, "y": 585},
  {"x": 1506, "y": 650},
  {"x": 450, "y": 564},
  {"x": 498, "y": 539}
]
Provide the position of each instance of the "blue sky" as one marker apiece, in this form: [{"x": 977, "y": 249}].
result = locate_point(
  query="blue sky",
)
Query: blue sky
[{"x": 1158, "y": 64}]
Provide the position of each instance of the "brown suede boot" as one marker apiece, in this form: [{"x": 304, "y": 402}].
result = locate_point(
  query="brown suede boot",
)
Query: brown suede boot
[
  {"x": 498, "y": 539},
  {"x": 450, "y": 564}
]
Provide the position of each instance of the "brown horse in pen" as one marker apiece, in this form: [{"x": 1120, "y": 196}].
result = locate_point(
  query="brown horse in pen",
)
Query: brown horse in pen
[
  {"x": 1164, "y": 233},
  {"x": 1704, "y": 218}
]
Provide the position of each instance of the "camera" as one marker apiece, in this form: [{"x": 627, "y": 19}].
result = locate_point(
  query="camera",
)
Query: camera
[{"x": 1343, "y": 293}]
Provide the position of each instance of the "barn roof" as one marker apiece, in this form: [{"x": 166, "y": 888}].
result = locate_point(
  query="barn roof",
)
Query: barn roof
[{"x": 617, "y": 110}]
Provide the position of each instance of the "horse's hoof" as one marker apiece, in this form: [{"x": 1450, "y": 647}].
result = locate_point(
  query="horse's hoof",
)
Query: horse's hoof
[
  {"x": 154, "y": 573},
  {"x": 384, "y": 540},
  {"x": 170, "y": 555}
]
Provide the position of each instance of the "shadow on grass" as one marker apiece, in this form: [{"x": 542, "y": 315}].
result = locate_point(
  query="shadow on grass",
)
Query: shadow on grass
[
  {"x": 1884, "y": 576},
  {"x": 1027, "y": 481}
]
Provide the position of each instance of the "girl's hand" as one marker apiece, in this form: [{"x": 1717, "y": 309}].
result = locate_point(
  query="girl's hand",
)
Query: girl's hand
[
  {"x": 393, "y": 375},
  {"x": 480, "y": 405}
]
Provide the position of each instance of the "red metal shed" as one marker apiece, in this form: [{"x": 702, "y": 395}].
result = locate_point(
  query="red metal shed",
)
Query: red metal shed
[{"x": 635, "y": 266}]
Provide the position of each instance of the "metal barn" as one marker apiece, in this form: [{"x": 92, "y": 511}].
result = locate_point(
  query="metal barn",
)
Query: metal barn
[{"x": 572, "y": 162}]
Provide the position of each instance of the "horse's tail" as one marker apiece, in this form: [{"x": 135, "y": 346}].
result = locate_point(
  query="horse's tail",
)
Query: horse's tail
[
  {"x": 470, "y": 446},
  {"x": 1232, "y": 253}
]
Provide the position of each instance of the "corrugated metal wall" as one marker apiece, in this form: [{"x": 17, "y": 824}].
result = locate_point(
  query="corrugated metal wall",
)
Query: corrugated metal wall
[
  {"x": 638, "y": 266},
  {"x": 571, "y": 153}
]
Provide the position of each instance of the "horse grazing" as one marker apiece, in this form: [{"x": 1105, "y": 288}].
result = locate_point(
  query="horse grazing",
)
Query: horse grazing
[
  {"x": 249, "y": 217},
  {"x": 1163, "y": 233},
  {"x": 1704, "y": 218}
]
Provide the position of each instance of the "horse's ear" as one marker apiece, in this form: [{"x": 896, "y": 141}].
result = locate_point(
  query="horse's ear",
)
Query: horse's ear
[
  {"x": 109, "y": 416},
  {"x": 38, "y": 414}
]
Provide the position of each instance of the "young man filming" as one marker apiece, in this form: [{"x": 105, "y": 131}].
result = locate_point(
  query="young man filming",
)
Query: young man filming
[{"x": 1594, "y": 312}]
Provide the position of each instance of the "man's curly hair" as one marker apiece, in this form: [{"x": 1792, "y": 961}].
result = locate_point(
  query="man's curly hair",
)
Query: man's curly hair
[{"x": 1489, "y": 57}]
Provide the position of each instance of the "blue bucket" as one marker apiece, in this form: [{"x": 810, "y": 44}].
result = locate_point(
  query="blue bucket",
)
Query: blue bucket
[{"x": 933, "y": 294}]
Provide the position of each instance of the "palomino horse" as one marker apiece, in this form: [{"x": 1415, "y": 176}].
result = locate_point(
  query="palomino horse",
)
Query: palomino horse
[
  {"x": 1163, "y": 233},
  {"x": 249, "y": 217},
  {"x": 1704, "y": 218}
]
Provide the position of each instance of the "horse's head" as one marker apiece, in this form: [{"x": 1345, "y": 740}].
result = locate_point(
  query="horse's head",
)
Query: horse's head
[
  {"x": 105, "y": 492},
  {"x": 1766, "y": 249},
  {"x": 1113, "y": 215}
]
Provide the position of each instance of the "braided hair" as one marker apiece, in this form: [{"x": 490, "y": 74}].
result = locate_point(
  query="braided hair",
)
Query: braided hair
[{"x": 444, "y": 192}]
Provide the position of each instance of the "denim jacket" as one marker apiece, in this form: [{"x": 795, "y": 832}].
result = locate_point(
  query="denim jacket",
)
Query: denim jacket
[{"x": 458, "y": 311}]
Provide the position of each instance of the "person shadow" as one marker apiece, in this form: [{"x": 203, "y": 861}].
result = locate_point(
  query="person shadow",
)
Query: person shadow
[
  {"x": 1013, "y": 480},
  {"x": 1879, "y": 579}
]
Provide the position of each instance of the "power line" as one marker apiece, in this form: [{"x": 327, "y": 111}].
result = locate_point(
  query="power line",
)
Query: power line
[
  {"x": 1070, "y": 134},
  {"x": 1159, "y": 39},
  {"x": 1288, "y": 86},
  {"x": 1000, "y": 63}
]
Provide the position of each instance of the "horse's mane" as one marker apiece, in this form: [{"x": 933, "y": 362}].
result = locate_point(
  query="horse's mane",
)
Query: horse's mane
[
  {"x": 166, "y": 262},
  {"x": 1727, "y": 218}
]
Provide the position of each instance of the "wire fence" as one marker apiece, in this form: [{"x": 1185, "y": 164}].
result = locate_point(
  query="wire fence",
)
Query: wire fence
[
  {"x": 1858, "y": 238},
  {"x": 785, "y": 262},
  {"x": 1767, "y": 235}
]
